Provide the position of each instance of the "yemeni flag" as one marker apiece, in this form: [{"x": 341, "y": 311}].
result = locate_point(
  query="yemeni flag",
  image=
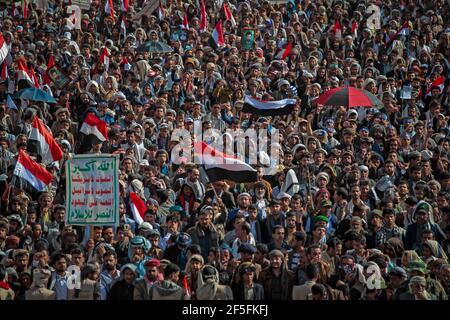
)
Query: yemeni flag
[
  {"x": 34, "y": 78},
  {"x": 138, "y": 207},
  {"x": 219, "y": 165},
  {"x": 3, "y": 48},
  {"x": 22, "y": 71},
  {"x": 94, "y": 126},
  {"x": 4, "y": 72},
  {"x": 32, "y": 173},
  {"x": 125, "y": 5},
  {"x": 337, "y": 30},
  {"x": 161, "y": 11},
  {"x": 42, "y": 142},
  {"x": 217, "y": 40},
  {"x": 14, "y": 11},
  {"x": 104, "y": 58},
  {"x": 71, "y": 24},
  {"x": 355, "y": 28},
  {"x": 24, "y": 9},
  {"x": 228, "y": 15},
  {"x": 74, "y": 20},
  {"x": 403, "y": 30},
  {"x": 50, "y": 64},
  {"x": 185, "y": 25},
  {"x": 268, "y": 108},
  {"x": 282, "y": 55},
  {"x": 439, "y": 82},
  {"x": 123, "y": 28},
  {"x": 125, "y": 64},
  {"x": 203, "y": 18},
  {"x": 187, "y": 288},
  {"x": 109, "y": 9}
]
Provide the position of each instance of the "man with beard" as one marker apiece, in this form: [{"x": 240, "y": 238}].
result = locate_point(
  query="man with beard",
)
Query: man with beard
[
  {"x": 80, "y": 109},
  {"x": 204, "y": 233},
  {"x": 109, "y": 274},
  {"x": 59, "y": 278},
  {"x": 143, "y": 286},
  {"x": 244, "y": 200},
  {"x": 276, "y": 218},
  {"x": 347, "y": 143},
  {"x": 414, "y": 231},
  {"x": 261, "y": 199},
  {"x": 277, "y": 280}
]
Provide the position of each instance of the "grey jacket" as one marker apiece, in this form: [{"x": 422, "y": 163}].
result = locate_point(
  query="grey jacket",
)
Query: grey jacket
[{"x": 166, "y": 290}]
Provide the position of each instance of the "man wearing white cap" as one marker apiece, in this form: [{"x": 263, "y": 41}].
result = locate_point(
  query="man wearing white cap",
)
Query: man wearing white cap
[
  {"x": 285, "y": 200},
  {"x": 322, "y": 180}
]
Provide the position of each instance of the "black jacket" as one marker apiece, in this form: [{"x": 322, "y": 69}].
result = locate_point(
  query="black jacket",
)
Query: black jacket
[
  {"x": 227, "y": 198},
  {"x": 173, "y": 254},
  {"x": 121, "y": 291}
]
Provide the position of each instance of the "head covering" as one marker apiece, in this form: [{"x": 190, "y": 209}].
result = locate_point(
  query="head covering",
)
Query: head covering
[
  {"x": 290, "y": 185},
  {"x": 323, "y": 175},
  {"x": 276, "y": 253},
  {"x": 152, "y": 263},
  {"x": 130, "y": 266},
  {"x": 417, "y": 265},
  {"x": 138, "y": 241},
  {"x": 207, "y": 284},
  {"x": 326, "y": 203},
  {"x": 16, "y": 218},
  {"x": 40, "y": 278},
  {"x": 283, "y": 195},
  {"x": 321, "y": 218},
  {"x": 138, "y": 187},
  {"x": 184, "y": 239},
  {"x": 399, "y": 272},
  {"x": 244, "y": 194},
  {"x": 418, "y": 280},
  {"x": 246, "y": 267},
  {"x": 377, "y": 213},
  {"x": 247, "y": 247},
  {"x": 198, "y": 258}
]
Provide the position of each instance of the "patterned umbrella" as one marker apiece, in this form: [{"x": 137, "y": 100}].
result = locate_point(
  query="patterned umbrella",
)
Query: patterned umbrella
[{"x": 349, "y": 97}]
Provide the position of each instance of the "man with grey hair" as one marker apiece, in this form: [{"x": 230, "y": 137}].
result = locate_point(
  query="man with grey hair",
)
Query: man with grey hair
[{"x": 417, "y": 290}]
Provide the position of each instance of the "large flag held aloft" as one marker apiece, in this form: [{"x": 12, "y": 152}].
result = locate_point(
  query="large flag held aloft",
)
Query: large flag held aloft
[
  {"x": 138, "y": 207},
  {"x": 268, "y": 108},
  {"x": 95, "y": 126},
  {"x": 43, "y": 142},
  {"x": 28, "y": 170},
  {"x": 219, "y": 165}
]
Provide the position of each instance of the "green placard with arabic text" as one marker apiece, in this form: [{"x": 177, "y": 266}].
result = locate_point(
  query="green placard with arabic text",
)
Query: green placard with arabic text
[{"x": 92, "y": 190}]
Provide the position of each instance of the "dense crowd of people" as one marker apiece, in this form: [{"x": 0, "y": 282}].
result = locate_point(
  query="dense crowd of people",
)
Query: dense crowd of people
[{"x": 368, "y": 217}]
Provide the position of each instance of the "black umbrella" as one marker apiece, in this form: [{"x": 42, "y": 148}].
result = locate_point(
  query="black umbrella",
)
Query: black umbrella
[{"x": 155, "y": 47}]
